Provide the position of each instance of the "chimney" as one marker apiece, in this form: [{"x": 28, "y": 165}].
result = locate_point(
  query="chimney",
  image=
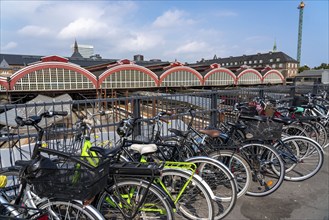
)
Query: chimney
[{"x": 138, "y": 57}]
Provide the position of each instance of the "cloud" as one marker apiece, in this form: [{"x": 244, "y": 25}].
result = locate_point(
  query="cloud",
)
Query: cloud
[
  {"x": 139, "y": 41},
  {"x": 32, "y": 30},
  {"x": 9, "y": 46},
  {"x": 191, "y": 47},
  {"x": 83, "y": 28},
  {"x": 172, "y": 18}
]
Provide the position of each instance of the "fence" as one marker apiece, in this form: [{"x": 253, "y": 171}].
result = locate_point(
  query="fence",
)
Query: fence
[{"x": 16, "y": 143}]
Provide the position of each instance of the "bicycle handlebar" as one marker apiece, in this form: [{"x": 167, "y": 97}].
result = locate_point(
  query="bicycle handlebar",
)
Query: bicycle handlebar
[{"x": 34, "y": 120}]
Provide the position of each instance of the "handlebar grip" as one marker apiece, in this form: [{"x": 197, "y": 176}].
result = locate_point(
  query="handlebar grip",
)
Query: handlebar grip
[
  {"x": 60, "y": 113},
  {"x": 19, "y": 121}
]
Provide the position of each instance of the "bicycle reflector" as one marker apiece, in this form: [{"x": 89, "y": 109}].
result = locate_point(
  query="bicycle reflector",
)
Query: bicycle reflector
[{"x": 3, "y": 181}]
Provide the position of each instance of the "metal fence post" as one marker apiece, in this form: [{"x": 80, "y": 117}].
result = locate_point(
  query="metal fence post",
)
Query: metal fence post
[
  {"x": 214, "y": 112},
  {"x": 316, "y": 86},
  {"x": 137, "y": 114},
  {"x": 261, "y": 93}
]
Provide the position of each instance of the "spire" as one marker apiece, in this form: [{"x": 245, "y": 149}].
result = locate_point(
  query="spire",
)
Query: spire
[
  {"x": 4, "y": 64},
  {"x": 76, "y": 53},
  {"x": 274, "y": 46},
  {"x": 76, "y": 48}
]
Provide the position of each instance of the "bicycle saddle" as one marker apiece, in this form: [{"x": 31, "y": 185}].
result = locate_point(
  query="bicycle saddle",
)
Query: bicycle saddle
[
  {"x": 286, "y": 121},
  {"x": 254, "y": 118},
  {"x": 237, "y": 125},
  {"x": 178, "y": 132},
  {"x": 211, "y": 133},
  {"x": 144, "y": 148},
  {"x": 106, "y": 152}
]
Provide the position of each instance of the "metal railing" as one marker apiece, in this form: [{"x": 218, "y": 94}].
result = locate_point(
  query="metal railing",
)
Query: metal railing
[{"x": 17, "y": 142}]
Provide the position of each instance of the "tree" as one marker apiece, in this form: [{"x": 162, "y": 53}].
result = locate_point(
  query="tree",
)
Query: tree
[
  {"x": 322, "y": 66},
  {"x": 303, "y": 68}
]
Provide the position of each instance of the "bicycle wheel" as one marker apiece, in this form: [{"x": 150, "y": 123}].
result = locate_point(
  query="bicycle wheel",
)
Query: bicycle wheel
[
  {"x": 294, "y": 130},
  {"x": 308, "y": 161},
  {"x": 323, "y": 135},
  {"x": 261, "y": 159},
  {"x": 221, "y": 182},
  {"x": 124, "y": 198},
  {"x": 181, "y": 151},
  {"x": 192, "y": 195},
  {"x": 66, "y": 210},
  {"x": 238, "y": 166}
]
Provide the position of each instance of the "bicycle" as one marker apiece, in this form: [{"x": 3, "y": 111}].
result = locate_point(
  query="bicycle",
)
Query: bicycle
[
  {"x": 247, "y": 157},
  {"x": 178, "y": 179},
  {"x": 127, "y": 194},
  {"x": 23, "y": 192}
]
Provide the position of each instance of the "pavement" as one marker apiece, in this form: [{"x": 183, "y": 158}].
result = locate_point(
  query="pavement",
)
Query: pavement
[{"x": 308, "y": 199}]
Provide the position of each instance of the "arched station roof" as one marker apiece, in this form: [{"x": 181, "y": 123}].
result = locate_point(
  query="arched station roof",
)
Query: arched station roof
[
  {"x": 52, "y": 65},
  {"x": 3, "y": 84},
  {"x": 249, "y": 76},
  {"x": 273, "y": 76},
  {"x": 219, "y": 76},
  {"x": 123, "y": 66},
  {"x": 180, "y": 68}
]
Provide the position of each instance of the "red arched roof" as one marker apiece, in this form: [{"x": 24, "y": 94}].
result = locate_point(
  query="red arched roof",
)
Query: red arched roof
[
  {"x": 115, "y": 69},
  {"x": 181, "y": 68},
  {"x": 229, "y": 72},
  {"x": 274, "y": 72},
  {"x": 249, "y": 71},
  {"x": 4, "y": 83},
  {"x": 46, "y": 65}
]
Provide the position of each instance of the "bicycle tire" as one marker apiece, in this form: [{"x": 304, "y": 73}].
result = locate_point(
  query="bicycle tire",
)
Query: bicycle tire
[
  {"x": 323, "y": 135},
  {"x": 238, "y": 166},
  {"x": 221, "y": 182},
  {"x": 188, "y": 204},
  {"x": 58, "y": 209},
  {"x": 310, "y": 160},
  {"x": 261, "y": 159},
  {"x": 108, "y": 209},
  {"x": 293, "y": 130}
]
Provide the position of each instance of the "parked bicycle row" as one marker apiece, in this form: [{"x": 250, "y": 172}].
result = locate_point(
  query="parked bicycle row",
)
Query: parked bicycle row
[{"x": 185, "y": 174}]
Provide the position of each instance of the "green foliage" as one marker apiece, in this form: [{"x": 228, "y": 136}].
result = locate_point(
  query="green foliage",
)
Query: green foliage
[
  {"x": 322, "y": 66},
  {"x": 303, "y": 68}
]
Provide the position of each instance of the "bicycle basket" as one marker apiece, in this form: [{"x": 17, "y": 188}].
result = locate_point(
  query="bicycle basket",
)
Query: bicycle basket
[
  {"x": 267, "y": 130},
  {"x": 65, "y": 140},
  {"x": 69, "y": 180}
]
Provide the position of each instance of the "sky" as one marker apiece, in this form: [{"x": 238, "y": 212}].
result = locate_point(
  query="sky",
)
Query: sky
[{"x": 186, "y": 31}]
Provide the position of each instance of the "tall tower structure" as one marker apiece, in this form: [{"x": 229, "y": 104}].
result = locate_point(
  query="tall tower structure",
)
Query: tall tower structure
[{"x": 300, "y": 30}]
